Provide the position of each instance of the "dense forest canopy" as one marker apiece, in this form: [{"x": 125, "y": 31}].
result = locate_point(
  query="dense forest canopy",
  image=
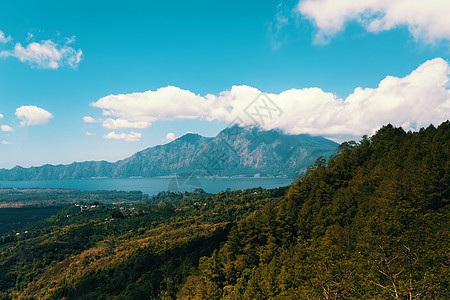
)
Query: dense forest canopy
[
  {"x": 369, "y": 223},
  {"x": 372, "y": 223}
]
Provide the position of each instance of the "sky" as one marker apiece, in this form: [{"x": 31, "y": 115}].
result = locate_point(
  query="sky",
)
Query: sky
[{"x": 100, "y": 80}]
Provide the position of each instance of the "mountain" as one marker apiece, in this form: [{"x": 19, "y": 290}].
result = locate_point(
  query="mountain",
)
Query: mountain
[
  {"x": 370, "y": 223},
  {"x": 235, "y": 151}
]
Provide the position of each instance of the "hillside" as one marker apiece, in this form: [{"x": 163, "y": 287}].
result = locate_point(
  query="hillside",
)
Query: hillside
[
  {"x": 245, "y": 151},
  {"x": 91, "y": 250},
  {"x": 371, "y": 223}
]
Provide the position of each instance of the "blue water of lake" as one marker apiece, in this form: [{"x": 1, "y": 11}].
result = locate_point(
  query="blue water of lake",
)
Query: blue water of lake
[{"x": 152, "y": 186}]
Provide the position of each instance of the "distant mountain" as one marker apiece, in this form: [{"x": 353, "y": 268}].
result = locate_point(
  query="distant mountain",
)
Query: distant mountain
[
  {"x": 371, "y": 223},
  {"x": 235, "y": 151}
]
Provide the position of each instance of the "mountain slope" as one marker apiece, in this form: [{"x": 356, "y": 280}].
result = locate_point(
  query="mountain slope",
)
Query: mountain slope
[
  {"x": 244, "y": 151},
  {"x": 371, "y": 223}
]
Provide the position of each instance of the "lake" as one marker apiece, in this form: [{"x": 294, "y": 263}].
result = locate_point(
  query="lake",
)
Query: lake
[{"x": 152, "y": 186}]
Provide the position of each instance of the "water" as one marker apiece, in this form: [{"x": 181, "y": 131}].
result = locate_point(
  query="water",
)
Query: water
[{"x": 152, "y": 186}]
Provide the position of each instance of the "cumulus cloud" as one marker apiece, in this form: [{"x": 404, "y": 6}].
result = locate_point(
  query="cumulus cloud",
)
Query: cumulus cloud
[
  {"x": 6, "y": 128},
  {"x": 129, "y": 137},
  {"x": 88, "y": 119},
  {"x": 33, "y": 115},
  {"x": 427, "y": 20},
  {"x": 414, "y": 101},
  {"x": 121, "y": 124},
  {"x": 4, "y": 39},
  {"x": 5, "y": 142},
  {"x": 170, "y": 136},
  {"x": 1, "y": 116},
  {"x": 46, "y": 54},
  {"x": 166, "y": 103}
]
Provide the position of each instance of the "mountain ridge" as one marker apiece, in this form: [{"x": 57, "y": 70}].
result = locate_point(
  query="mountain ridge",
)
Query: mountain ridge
[{"x": 235, "y": 151}]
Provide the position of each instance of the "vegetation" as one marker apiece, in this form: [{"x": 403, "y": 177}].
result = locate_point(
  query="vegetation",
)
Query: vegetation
[
  {"x": 371, "y": 223},
  {"x": 92, "y": 250},
  {"x": 16, "y": 219},
  {"x": 60, "y": 197}
]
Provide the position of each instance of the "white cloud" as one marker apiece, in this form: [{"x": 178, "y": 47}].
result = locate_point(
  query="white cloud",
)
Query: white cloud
[
  {"x": 170, "y": 136},
  {"x": 88, "y": 133},
  {"x": 121, "y": 124},
  {"x": 88, "y": 119},
  {"x": 33, "y": 115},
  {"x": 166, "y": 103},
  {"x": 413, "y": 101},
  {"x": 280, "y": 21},
  {"x": 6, "y": 128},
  {"x": 4, "y": 39},
  {"x": 1, "y": 116},
  {"x": 46, "y": 54},
  {"x": 5, "y": 142},
  {"x": 129, "y": 137},
  {"x": 427, "y": 20}
]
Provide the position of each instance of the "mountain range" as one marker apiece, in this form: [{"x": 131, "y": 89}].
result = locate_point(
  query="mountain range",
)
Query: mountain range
[{"x": 235, "y": 151}]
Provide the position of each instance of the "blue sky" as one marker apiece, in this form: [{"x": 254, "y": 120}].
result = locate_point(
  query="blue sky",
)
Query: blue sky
[{"x": 195, "y": 66}]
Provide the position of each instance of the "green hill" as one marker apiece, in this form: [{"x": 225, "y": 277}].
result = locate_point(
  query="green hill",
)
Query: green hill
[{"x": 371, "y": 223}]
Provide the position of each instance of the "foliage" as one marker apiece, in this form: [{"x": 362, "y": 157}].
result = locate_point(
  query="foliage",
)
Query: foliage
[
  {"x": 138, "y": 250},
  {"x": 371, "y": 223},
  {"x": 61, "y": 197}
]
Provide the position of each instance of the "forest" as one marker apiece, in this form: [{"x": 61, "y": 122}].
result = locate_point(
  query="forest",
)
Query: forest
[
  {"x": 370, "y": 223},
  {"x": 61, "y": 197}
]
